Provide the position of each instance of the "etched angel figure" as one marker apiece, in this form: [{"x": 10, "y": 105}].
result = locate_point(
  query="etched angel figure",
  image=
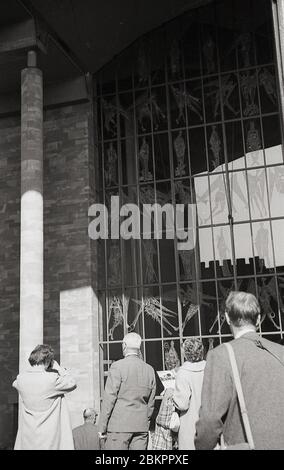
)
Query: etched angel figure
[
  {"x": 253, "y": 138},
  {"x": 186, "y": 100},
  {"x": 148, "y": 196},
  {"x": 171, "y": 356},
  {"x": 149, "y": 251},
  {"x": 111, "y": 166},
  {"x": 179, "y": 146},
  {"x": 267, "y": 80},
  {"x": 117, "y": 314},
  {"x": 110, "y": 112},
  {"x": 147, "y": 108},
  {"x": 191, "y": 301},
  {"x": 114, "y": 263},
  {"x": 153, "y": 308},
  {"x": 248, "y": 87},
  {"x": 144, "y": 159},
  {"x": 215, "y": 146},
  {"x": 222, "y": 95}
]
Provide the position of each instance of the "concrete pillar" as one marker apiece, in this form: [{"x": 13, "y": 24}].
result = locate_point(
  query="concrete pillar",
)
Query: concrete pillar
[{"x": 31, "y": 264}]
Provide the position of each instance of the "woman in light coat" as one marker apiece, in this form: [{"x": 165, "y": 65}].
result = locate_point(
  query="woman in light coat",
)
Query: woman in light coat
[
  {"x": 44, "y": 422},
  {"x": 187, "y": 394}
]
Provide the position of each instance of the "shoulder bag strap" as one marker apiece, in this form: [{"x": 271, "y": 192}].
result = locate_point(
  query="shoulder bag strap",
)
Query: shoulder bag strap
[
  {"x": 260, "y": 345},
  {"x": 240, "y": 395}
]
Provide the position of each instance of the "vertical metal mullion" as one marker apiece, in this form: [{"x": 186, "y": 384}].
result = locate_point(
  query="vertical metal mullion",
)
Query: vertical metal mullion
[
  {"x": 131, "y": 172},
  {"x": 120, "y": 192},
  {"x": 278, "y": 29},
  {"x": 255, "y": 68},
  {"x": 155, "y": 191},
  {"x": 209, "y": 193},
  {"x": 229, "y": 198},
  {"x": 268, "y": 206},
  {"x": 138, "y": 202},
  {"x": 174, "y": 204},
  {"x": 96, "y": 154},
  {"x": 191, "y": 179},
  {"x": 246, "y": 172},
  {"x": 105, "y": 241}
]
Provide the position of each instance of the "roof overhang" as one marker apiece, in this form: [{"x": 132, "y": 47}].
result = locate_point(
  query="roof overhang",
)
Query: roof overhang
[{"x": 74, "y": 37}]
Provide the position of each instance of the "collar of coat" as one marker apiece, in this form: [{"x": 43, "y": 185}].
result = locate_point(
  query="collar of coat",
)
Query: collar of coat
[
  {"x": 250, "y": 335},
  {"x": 194, "y": 366}
]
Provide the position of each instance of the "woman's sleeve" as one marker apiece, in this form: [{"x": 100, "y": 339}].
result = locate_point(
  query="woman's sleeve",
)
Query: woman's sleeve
[
  {"x": 182, "y": 392},
  {"x": 65, "y": 382}
]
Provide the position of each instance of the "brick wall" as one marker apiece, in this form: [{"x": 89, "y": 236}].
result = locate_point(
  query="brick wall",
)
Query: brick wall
[
  {"x": 67, "y": 261},
  {"x": 68, "y": 267},
  {"x": 9, "y": 271}
]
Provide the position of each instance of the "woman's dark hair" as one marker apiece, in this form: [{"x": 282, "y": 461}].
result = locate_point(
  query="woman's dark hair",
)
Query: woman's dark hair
[{"x": 42, "y": 354}]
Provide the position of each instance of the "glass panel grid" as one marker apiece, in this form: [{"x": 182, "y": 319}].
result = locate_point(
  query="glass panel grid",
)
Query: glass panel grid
[{"x": 194, "y": 127}]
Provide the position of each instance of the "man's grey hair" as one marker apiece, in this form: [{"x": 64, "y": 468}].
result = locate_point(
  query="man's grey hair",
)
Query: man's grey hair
[
  {"x": 132, "y": 341},
  {"x": 89, "y": 414},
  {"x": 242, "y": 308}
]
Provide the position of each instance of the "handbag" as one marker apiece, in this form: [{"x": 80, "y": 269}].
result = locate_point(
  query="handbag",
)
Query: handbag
[
  {"x": 174, "y": 422},
  {"x": 249, "y": 445}
]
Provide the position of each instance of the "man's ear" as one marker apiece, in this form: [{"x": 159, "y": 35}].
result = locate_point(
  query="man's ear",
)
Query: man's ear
[{"x": 227, "y": 318}]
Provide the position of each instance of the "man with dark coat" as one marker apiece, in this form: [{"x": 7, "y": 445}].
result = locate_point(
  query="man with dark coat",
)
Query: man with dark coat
[
  {"x": 261, "y": 368},
  {"x": 128, "y": 401}
]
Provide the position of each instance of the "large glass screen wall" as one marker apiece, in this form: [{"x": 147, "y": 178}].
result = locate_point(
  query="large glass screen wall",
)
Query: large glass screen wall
[{"x": 190, "y": 114}]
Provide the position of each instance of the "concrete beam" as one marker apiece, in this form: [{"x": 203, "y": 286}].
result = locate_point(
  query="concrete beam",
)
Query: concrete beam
[
  {"x": 20, "y": 37},
  {"x": 56, "y": 94},
  {"x": 66, "y": 92}
]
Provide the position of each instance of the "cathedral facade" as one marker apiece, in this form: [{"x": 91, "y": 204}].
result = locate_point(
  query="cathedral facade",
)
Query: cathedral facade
[{"x": 190, "y": 111}]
